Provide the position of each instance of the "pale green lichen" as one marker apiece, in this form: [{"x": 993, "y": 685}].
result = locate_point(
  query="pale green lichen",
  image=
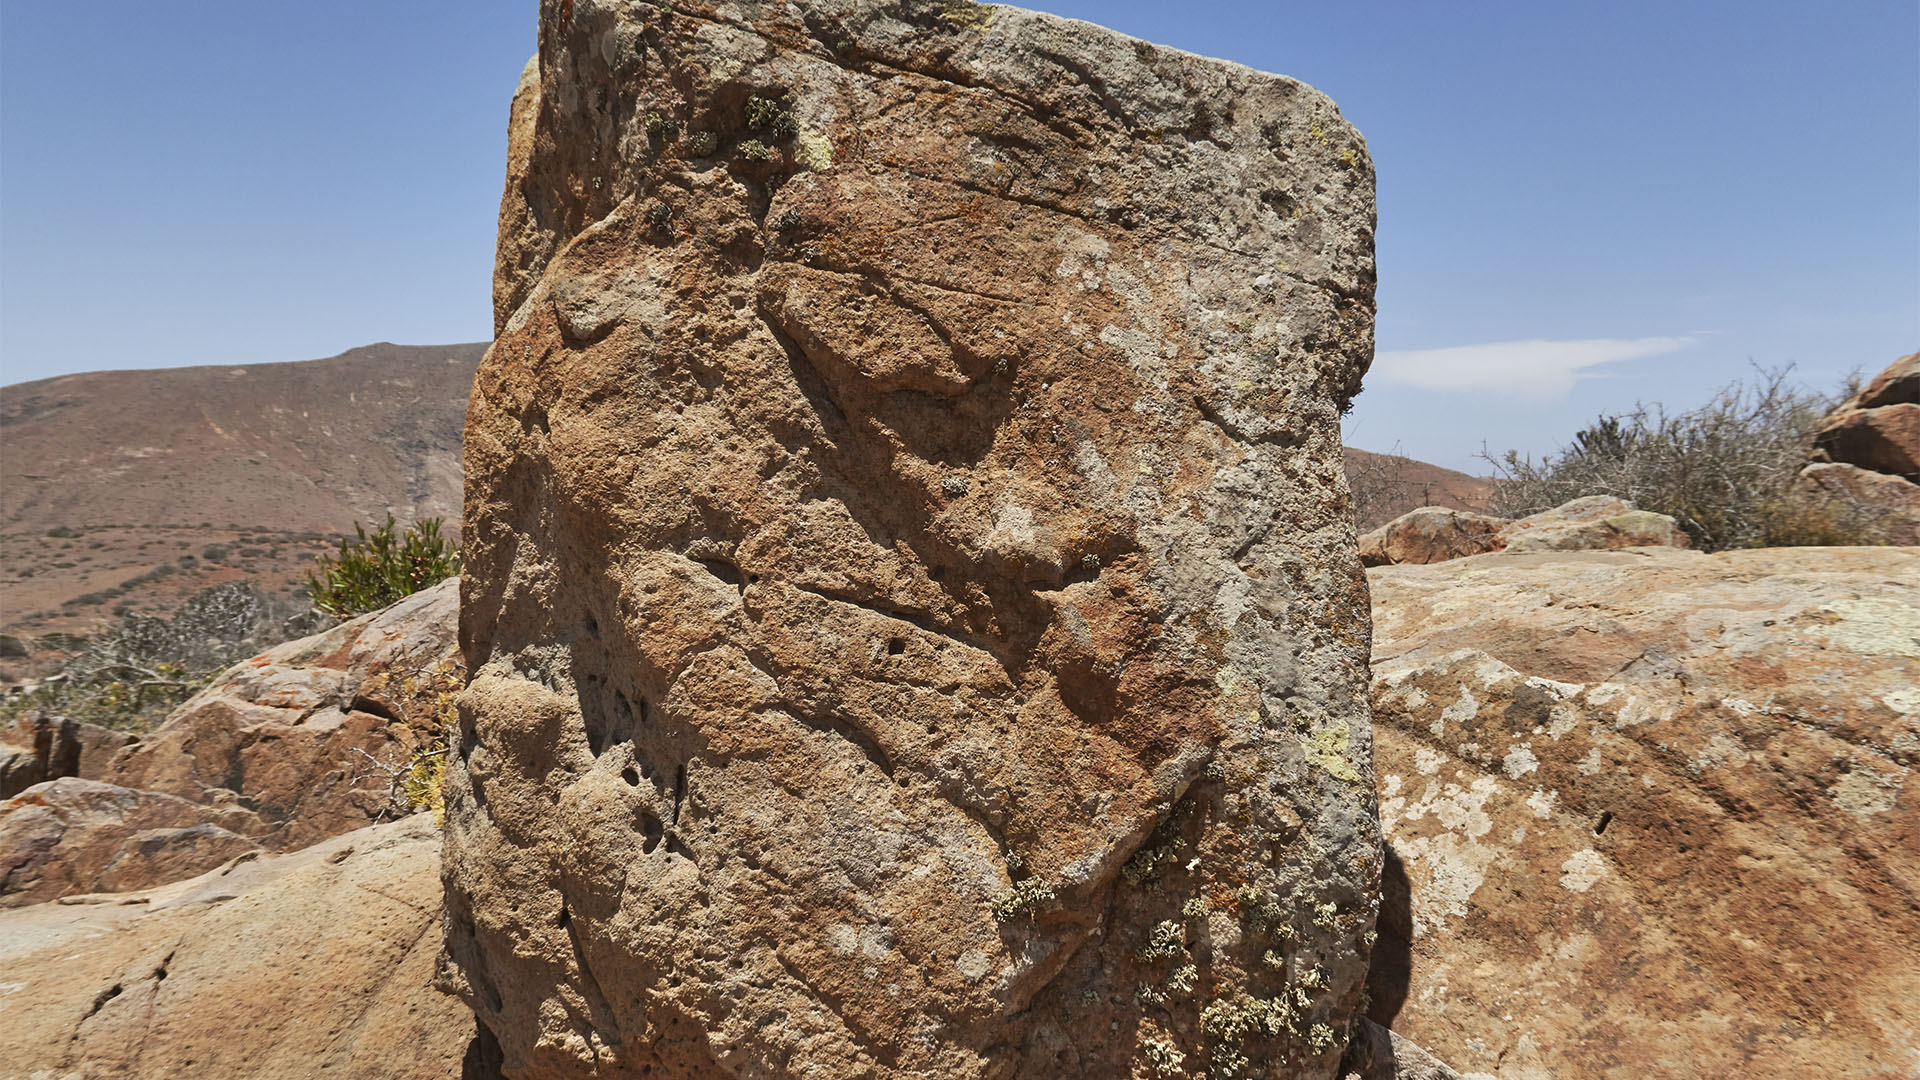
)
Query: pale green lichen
[
  {"x": 1025, "y": 898},
  {"x": 1165, "y": 1058},
  {"x": 967, "y": 16},
  {"x": 1163, "y": 941},
  {"x": 1182, "y": 981},
  {"x": 812, "y": 150},
  {"x": 1327, "y": 748}
]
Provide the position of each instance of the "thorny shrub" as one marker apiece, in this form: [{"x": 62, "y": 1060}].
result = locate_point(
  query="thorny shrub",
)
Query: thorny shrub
[
  {"x": 427, "y": 721},
  {"x": 1724, "y": 472},
  {"x": 131, "y": 674}
]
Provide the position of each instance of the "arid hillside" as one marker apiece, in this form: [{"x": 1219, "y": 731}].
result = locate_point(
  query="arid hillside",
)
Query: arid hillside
[{"x": 136, "y": 488}]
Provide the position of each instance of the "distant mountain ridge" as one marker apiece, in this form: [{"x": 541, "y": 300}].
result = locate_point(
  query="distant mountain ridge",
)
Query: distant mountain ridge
[
  {"x": 131, "y": 490},
  {"x": 310, "y": 445}
]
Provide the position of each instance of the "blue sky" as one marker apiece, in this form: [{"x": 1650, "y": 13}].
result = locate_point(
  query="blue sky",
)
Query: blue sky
[{"x": 1581, "y": 205}]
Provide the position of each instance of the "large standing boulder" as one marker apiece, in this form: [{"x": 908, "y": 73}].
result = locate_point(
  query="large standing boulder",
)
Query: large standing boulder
[
  {"x": 1654, "y": 814},
  {"x": 317, "y": 963},
  {"x": 911, "y": 598},
  {"x": 1879, "y": 428}
]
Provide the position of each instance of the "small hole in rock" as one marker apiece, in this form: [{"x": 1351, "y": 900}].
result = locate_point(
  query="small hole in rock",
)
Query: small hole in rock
[
  {"x": 1606, "y": 817},
  {"x": 631, "y": 776},
  {"x": 896, "y": 646},
  {"x": 651, "y": 832}
]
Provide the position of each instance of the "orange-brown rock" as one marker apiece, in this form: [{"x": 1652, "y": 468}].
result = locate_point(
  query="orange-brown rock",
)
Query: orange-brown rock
[
  {"x": 1594, "y": 523},
  {"x": 1654, "y": 812},
  {"x": 305, "y": 735},
  {"x": 279, "y": 967},
  {"x": 72, "y": 836},
  {"x": 1878, "y": 429},
  {"x": 36, "y": 748},
  {"x": 911, "y": 597},
  {"x": 1888, "y": 503}
]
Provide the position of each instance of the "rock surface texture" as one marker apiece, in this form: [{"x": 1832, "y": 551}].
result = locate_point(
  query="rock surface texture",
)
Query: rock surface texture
[
  {"x": 911, "y": 600},
  {"x": 34, "y": 750},
  {"x": 303, "y": 737},
  {"x": 303, "y": 742},
  {"x": 292, "y": 966},
  {"x": 1868, "y": 451},
  {"x": 1434, "y": 534},
  {"x": 1655, "y": 813}
]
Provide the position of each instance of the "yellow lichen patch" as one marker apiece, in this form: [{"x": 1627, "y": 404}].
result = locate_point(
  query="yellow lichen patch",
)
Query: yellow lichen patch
[
  {"x": 812, "y": 150},
  {"x": 1327, "y": 748},
  {"x": 966, "y": 16}
]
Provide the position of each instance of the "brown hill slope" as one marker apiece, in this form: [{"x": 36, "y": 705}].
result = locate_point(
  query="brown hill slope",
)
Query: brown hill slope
[
  {"x": 310, "y": 446},
  {"x": 1388, "y": 485},
  {"x": 214, "y": 473}
]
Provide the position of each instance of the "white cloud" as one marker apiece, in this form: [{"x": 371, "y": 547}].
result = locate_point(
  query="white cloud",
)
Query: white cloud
[{"x": 1515, "y": 369}]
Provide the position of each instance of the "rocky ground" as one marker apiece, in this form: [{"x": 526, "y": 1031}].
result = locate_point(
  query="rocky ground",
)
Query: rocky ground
[{"x": 1651, "y": 813}]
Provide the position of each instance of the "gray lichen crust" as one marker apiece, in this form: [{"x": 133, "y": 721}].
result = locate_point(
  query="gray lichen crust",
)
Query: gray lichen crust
[{"x": 911, "y": 593}]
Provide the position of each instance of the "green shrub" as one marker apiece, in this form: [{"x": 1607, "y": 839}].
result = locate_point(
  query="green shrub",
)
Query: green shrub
[
  {"x": 373, "y": 571},
  {"x": 1724, "y": 472}
]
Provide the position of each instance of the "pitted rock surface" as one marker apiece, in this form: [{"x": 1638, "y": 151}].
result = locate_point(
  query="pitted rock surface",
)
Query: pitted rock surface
[
  {"x": 911, "y": 598},
  {"x": 1655, "y": 812}
]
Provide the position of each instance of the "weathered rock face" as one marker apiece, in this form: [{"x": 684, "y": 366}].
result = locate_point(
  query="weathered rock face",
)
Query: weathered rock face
[
  {"x": 1655, "y": 812},
  {"x": 1868, "y": 453},
  {"x": 910, "y": 597},
  {"x": 1595, "y": 523},
  {"x": 302, "y": 736},
  {"x": 36, "y": 749},
  {"x": 294, "y": 966},
  {"x": 71, "y": 836}
]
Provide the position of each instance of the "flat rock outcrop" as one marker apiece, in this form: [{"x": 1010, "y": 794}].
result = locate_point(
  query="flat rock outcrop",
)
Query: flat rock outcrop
[
  {"x": 292, "y": 966},
  {"x": 1654, "y": 813},
  {"x": 1433, "y": 534},
  {"x": 911, "y": 600}
]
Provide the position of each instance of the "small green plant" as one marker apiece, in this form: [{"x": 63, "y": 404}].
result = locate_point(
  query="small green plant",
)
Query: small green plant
[
  {"x": 375, "y": 570},
  {"x": 768, "y": 115},
  {"x": 701, "y": 143},
  {"x": 755, "y": 150}
]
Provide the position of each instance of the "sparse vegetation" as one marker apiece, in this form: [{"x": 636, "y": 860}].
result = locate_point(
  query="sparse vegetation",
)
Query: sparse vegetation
[
  {"x": 427, "y": 720},
  {"x": 130, "y": 675},
  {"x": 1724, "y": 471},
  {"x": 372, "y": 571}
]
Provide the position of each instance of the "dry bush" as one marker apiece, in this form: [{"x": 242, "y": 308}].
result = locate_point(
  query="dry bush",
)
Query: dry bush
[{"x": 1725, "y": 471}]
